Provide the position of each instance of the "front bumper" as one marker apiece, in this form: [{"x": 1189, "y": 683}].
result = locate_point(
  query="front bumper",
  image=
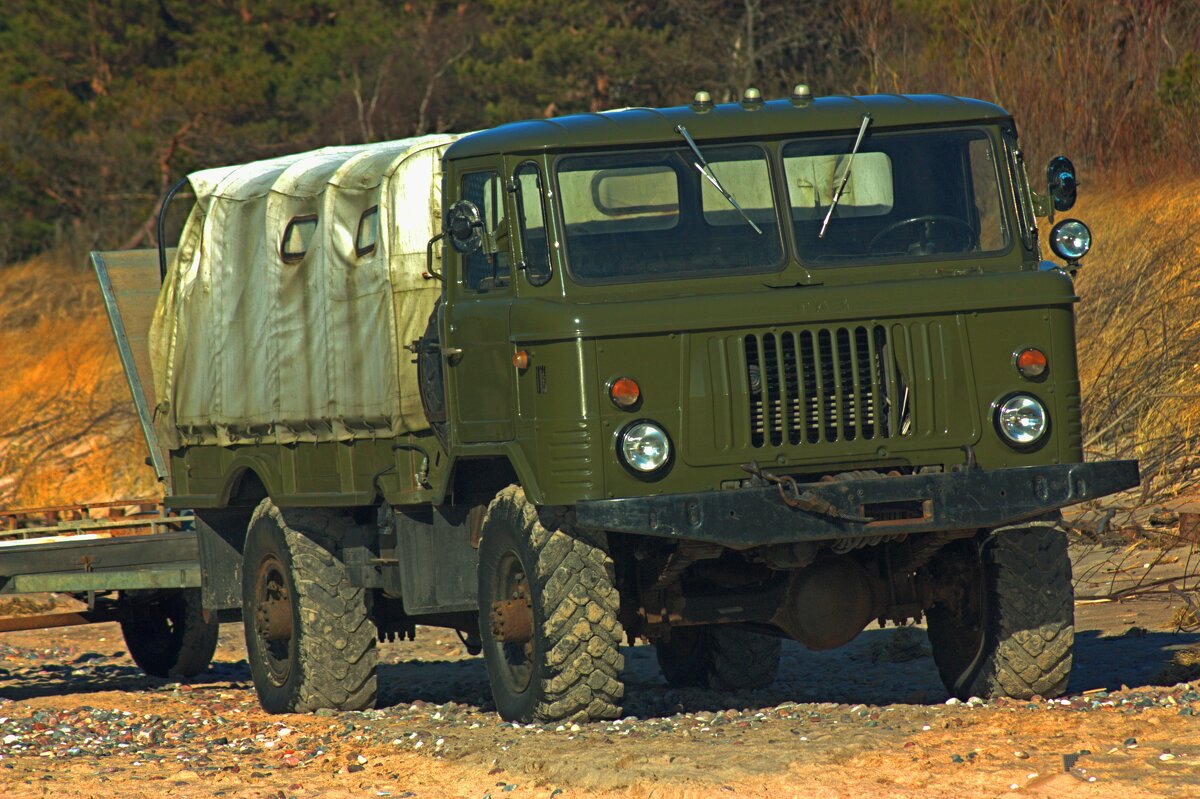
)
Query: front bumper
[{"x": 921, "y": 503}]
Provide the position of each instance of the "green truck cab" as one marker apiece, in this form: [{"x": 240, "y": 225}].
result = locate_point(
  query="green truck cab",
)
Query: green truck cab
[{"x": 708, "y": 376}]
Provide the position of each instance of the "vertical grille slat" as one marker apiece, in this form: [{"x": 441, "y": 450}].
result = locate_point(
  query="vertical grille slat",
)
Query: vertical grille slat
[{"x": 827, "y": 385}]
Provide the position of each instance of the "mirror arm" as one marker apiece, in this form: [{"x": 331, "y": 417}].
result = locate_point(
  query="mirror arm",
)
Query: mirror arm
[{"x": 429, "y": 273}]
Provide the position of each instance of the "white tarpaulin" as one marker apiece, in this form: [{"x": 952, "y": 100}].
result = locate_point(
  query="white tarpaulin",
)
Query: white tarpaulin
[{"x": 247, "y": 346}]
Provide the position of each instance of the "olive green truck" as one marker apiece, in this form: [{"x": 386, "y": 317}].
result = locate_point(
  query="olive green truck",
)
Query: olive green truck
[{"x": 708, "y": 376}]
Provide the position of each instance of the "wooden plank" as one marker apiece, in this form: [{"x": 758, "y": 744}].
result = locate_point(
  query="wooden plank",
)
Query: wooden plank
[{"x": 50, "y": 620}]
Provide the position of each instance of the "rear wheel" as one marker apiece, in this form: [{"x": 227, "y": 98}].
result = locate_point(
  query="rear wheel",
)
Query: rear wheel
[
  {"x": 719, "y": 657},
  {"x": 310, "y": 638},
  {"x": 166, "y": 633},
  {"x": 1006, "y": 623},
  {"x": 548, "y": 614}
]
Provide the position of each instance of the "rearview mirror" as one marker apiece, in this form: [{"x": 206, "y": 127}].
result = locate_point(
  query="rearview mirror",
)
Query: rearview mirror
[
  {"x": 464, "y": 225},
  {"x": 1060, "y": 178}
]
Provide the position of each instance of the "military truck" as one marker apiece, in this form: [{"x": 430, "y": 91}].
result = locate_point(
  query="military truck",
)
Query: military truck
[{"x": 708, "y": 376}]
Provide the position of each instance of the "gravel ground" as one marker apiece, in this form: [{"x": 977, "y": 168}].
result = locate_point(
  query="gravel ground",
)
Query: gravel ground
[{"x": 77, "y": 717}]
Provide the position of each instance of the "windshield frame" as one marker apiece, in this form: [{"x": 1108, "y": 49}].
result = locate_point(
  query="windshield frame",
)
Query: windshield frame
[
  {"x": 766, "y": 148},
  {"x": 1007, "y": 197}
]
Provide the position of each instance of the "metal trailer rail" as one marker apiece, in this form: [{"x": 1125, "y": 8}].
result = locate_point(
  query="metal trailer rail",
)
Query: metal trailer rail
[{"x": 84, "y": 558}]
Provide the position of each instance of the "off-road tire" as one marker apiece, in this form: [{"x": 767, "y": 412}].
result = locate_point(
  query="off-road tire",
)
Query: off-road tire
[
  {"x": 166, "y": 633},
  {"x": 330, "y": 657},
  {"x": 573, "y": 661},
  {"x": 719, "y": 657},
  {"x": 1013, "y": 629}
]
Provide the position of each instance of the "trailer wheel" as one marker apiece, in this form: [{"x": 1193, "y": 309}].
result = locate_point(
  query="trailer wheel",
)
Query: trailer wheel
[
  {"x": 719, "y": 657},
  {"x": 1006, "y": 624},
  {"x": 548, "y": 614},
  {"x": 310, "y": 637},
  {"x": 166, "y": 633}
]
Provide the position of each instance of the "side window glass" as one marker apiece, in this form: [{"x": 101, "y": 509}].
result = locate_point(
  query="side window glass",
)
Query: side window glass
[
  {"x": 986, "y": 188},
  {"x": 482, "y": 271},
  {"x": 296, "y": 237},
  {"x": 368, "y": 232},
  {"x": 535, "y": 241}
]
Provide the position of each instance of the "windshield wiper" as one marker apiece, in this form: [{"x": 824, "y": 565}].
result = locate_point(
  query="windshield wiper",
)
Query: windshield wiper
[
  {"x": 707, "y": 172},
  {"x": 862, "y": 130}
]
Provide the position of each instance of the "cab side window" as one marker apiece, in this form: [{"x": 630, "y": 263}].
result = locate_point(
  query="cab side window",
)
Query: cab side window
[
  {"x": 481, "y": 271},
  {"x": 535, "y": 241}
]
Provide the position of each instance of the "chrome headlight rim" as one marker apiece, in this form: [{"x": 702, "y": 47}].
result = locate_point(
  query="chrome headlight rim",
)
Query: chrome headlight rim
[
  {"x": 656, "y": 472},
  {"x": 998, "y": 408}
]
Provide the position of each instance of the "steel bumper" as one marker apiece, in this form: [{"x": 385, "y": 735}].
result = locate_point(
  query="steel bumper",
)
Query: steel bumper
[{"x": 828, "y": 511}]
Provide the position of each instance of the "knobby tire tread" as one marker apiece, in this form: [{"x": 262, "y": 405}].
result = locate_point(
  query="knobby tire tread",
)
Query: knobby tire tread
[
  {"x": 337, "y": 635},
  {"x": 579, "y": 603}
]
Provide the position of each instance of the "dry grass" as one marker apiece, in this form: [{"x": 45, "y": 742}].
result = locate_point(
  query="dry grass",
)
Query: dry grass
[
  {"x": 1139, "y": 331},
  {"x": 67, "y": 429}
]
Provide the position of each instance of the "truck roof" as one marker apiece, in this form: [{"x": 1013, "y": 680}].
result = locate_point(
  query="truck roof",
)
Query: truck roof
[{"x": 632, "y": 126}]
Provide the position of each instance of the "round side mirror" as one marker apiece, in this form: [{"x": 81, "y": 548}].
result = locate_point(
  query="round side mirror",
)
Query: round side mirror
[
  {"x": 464, "y": 224},
  {"x": 1060, "y": 178}
]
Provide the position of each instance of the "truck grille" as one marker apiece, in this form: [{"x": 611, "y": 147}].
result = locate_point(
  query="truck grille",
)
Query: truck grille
[{"x": 826, "y": 385}]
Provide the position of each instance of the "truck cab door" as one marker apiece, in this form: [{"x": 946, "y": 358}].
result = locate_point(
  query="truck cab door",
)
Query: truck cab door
[{"x": 479, "y": 294}]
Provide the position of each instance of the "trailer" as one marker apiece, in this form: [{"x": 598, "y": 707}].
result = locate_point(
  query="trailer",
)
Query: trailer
[{"x": 130, "y": 561}]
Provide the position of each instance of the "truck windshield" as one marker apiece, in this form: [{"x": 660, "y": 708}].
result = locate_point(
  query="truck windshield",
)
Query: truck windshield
[
  {"x": 910, "y": 196},
  {"x": 651, "y": 215}
]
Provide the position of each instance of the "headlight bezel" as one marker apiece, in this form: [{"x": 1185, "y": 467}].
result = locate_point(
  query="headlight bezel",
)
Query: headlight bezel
[
  {"x": 658, "y": 471},
  {"x": 1027, "y": 446},
  {"x": 1057, "y": 234}
]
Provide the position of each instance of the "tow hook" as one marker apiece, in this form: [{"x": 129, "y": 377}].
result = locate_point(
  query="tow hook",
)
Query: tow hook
[{"x": 793, "y": 497}]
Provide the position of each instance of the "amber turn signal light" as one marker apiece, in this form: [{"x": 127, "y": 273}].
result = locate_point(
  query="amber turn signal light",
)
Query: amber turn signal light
[
  {"x": 624, "y": 392},
  {"x": 521, "y": 360},
  {"x": 1032, "y": 363}
]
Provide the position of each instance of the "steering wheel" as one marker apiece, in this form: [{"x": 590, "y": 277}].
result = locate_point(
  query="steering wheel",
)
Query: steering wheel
[{"x": 928, "y": 219}]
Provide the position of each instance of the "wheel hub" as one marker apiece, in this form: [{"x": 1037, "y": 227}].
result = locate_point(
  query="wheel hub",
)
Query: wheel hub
[
  {"x": 272, "y": 619},
  {"x": 273, "y": 616},
  {"x": 512, "y": 619}
]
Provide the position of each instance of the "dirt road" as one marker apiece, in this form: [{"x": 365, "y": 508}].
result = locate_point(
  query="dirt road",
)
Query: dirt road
[{"x": 78, "y": 719}]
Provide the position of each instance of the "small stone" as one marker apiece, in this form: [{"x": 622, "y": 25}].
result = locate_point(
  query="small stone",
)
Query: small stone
[
  {"x": 1166, "y": 756},
  {"x": 1131, "y": 743},
  {"x": 956, "y": 759},
  {"x": 1021, "y": 754},
  {"x": 953, "y": 701}
]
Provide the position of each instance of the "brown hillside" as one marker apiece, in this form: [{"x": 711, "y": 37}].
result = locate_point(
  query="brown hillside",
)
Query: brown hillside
[
  {"x": 68, "y": 433},
  {"x": 1139, "y": 330}
]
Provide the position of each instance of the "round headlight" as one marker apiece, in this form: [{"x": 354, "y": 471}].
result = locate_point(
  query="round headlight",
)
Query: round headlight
[
  {"x": 1022, "y": 420},
  {"x": 644, "y": 447},
  {"x": 1070, "y": 239}
]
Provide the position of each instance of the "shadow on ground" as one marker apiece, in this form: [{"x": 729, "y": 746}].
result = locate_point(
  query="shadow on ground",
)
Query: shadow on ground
[{"x": 880, "y": 667}]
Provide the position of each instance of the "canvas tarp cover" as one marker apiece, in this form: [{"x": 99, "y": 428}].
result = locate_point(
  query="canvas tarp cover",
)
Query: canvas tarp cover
[{"x": 249, "y": 348}]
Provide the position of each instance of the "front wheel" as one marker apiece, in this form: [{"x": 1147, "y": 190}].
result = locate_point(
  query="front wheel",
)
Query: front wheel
[
  {"x": 1005, "y": 623},
  {"x": 548, "y": 615}
]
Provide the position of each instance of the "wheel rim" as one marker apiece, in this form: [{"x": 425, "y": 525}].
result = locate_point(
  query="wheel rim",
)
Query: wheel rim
[
  {"x": 273, "y": 619},
  {"x": 514, "y": 660}
]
